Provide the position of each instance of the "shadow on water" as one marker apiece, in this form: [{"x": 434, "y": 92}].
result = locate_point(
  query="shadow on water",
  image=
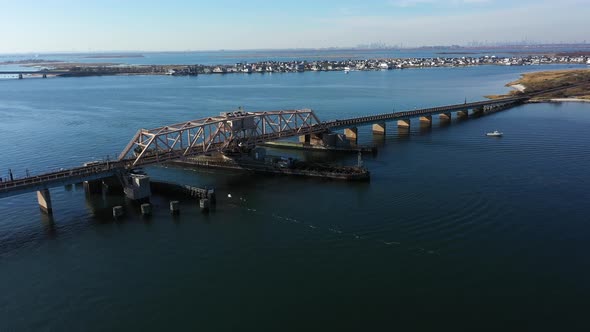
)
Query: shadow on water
[
  {"x": 425, "y": 129},
  {"x": 48, "y": 223},
  {"x": 378, "y": 140},
  {"x": 403, "y": 133},
  {"x": 442, "y": 123}
]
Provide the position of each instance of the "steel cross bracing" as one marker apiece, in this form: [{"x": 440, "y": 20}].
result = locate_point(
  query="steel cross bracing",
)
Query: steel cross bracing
[{"x": 227, "y": 132}]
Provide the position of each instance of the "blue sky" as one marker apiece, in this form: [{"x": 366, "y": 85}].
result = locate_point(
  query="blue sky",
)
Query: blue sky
[{"x": 68, "y": 25}]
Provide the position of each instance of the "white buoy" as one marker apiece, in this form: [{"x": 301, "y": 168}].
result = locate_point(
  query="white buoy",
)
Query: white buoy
[{"x": 228, "y": 195}]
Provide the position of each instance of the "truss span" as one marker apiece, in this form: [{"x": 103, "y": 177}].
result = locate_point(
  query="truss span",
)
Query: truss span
[{"x": 227, "y": 132}]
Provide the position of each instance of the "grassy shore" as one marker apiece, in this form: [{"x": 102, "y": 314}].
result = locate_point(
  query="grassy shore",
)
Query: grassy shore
[{"x": 533, "y": 82}]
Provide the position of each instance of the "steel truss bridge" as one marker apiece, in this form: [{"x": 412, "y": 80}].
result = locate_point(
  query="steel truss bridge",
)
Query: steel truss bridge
[{"x": 230, "y": 131}]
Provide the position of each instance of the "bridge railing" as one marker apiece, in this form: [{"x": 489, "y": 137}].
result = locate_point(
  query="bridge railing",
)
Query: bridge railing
[
  {"x": 62, "y": 174},
  {"x": 424, "y": 111}
]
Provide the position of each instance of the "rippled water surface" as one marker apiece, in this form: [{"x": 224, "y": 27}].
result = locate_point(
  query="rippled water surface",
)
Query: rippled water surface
[{"x": 455, "y": 229}]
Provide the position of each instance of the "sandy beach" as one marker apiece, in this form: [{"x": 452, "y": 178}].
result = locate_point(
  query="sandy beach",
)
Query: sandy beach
[{"x": 559, "y": 100}]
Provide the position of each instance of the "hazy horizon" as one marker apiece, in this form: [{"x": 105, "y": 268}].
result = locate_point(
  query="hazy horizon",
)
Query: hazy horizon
[
  {"x": 66, "y": 26},
  {"x": 334, "y": 48}
]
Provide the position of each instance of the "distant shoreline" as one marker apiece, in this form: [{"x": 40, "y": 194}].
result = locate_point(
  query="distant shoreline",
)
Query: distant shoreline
[
  {"x": 68, "y": 69},
  {"x": 113, "y": 56}
]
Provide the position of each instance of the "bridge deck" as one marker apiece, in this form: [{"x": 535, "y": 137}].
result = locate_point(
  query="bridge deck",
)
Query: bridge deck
[
  {"x": 363, "y": 120},
  {"x": 36, "y": 72},
  {"x": 59, "y": 178}
]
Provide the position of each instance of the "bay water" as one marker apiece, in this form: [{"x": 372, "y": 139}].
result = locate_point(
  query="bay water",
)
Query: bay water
[{"x": 454, "y": 229}]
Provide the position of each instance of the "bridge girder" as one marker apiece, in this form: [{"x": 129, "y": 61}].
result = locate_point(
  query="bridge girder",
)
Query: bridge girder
[{"x": 229, "y": 131}]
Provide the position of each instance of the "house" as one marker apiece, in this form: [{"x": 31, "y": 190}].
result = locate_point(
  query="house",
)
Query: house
[{"x": 218, "y": 70}]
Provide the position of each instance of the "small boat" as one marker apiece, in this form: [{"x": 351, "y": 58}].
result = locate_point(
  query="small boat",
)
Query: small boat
[
  {"x": 495, "y": 133},
  {"x": 346, "y": 70}
]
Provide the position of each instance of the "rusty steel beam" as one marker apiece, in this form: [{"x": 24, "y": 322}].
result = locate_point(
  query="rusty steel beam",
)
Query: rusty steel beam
[{"x": 229, "y": 131}]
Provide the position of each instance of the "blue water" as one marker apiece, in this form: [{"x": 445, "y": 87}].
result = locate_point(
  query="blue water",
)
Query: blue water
[{"x": 454, "y": 230}]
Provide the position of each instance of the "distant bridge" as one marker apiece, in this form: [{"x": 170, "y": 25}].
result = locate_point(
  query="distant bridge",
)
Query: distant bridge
[
  {"x": 43, "y": 73},
  {"x": 36, "y": 72}
]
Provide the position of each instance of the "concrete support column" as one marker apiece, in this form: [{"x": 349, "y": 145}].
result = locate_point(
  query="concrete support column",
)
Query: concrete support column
[
  {"x": 211, "y": 196},
  {"x": 445, "y": 116},
  {"x": 403, "y": 123},
  {"x": 174, "y": 207},
  {"x": 118, "y": 211},
  {"x": 463, "y": 114},
  {"x": 379, "y": 128},
  {"x": 44, "y": 199},
  {"x": 426, "y": 120},
  {"x": 204, "y": 205},
  {"x": 146, "y": 209},
  {"x": 44, "y": 75},
  {"x": 351, "y": 133},
  {"x": 304, "y": 138},
  {"x": 93, "y": 187},
  {"x": 20, "y": 76},
  {"x": 138, "y": 188}
]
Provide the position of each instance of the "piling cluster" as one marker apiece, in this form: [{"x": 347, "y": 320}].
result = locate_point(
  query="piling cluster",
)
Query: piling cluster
[{"x": 205, "y": 204}]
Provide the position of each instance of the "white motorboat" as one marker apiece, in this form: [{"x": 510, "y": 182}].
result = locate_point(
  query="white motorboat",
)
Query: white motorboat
[{"x": 495, "y": 133}]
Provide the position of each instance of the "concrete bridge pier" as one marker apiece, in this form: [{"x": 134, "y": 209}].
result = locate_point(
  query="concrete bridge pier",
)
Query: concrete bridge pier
[
  {"x": 463, "y": 114},
  {"x": 304, "y": 139},
  {"x": 20, "y": 76},
  {"x": 44, "y": 75},
  {"x": 313, "y": 139},
  {"x": 445, "y": 117},
  {"x": 403, "y": 123},
  {"x": 44, "y": 199},
  {"x": 138, "y": 188},
  {"x": 379, "y": 128},
  {"x": 426, "y": 121},
  {"x": 351, "y": 133}
]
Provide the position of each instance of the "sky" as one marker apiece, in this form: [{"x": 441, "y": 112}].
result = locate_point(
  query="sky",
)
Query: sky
[{"x": 180, "y": 25}]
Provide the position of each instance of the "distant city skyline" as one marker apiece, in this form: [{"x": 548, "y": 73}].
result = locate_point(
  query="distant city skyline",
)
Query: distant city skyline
[{"x": 180, "y": 25}]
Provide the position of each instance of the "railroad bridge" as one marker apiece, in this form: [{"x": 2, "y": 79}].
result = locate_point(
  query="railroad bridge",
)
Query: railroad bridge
[
  {"x": 229, "y": 131},
  {"x": 43, "y": 73}
]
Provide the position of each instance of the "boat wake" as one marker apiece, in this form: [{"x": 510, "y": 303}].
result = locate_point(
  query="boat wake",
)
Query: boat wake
[{"x": 333, "y": 229}]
